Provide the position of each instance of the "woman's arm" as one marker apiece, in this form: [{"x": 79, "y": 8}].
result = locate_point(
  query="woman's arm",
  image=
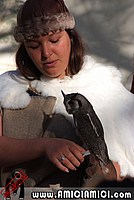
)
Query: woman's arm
[{"x": 15, "y": 151}]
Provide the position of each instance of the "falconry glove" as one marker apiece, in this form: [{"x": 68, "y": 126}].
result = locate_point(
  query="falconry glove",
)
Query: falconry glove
[{"x": 95, "y": 171}]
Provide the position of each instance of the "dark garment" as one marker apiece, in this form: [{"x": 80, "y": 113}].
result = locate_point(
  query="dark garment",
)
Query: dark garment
[
  {"x": 126, "y": 183},
  {"x": 132, "y": 87},
  {"x": 71, "y": 179}
]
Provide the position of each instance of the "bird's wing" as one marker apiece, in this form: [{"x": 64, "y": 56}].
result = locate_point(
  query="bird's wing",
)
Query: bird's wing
[
  {"x": 96, "y": 124},
  {"x": 75, "y": 121}
]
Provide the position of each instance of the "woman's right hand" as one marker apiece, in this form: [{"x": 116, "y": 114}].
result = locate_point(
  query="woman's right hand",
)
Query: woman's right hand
[{"x": 65, "y": 154}]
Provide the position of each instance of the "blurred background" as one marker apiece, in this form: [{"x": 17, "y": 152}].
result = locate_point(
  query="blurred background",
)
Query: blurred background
[{"x": 106, "y": 27}]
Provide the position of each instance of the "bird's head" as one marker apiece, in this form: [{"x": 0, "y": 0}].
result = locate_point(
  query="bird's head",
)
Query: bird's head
[{"x": 74, "y": 102}]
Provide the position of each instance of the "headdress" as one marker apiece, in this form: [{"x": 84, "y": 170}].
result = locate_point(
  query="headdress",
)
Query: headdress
[{"x": 39, "y": 17}]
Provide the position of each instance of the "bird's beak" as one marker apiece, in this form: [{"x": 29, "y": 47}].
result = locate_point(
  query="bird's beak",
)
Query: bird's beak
[{"x": 63, "y": 93}]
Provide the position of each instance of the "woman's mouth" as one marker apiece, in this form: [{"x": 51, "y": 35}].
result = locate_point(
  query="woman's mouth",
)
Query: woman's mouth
[{"x": 50, "y": 63}]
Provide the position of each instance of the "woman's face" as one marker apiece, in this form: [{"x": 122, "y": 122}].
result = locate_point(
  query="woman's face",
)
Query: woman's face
[{"x": 50, "y": 53}]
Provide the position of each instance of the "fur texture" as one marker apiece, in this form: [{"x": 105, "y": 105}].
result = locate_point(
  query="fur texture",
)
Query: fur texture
[{"x": 102, "y": 86}]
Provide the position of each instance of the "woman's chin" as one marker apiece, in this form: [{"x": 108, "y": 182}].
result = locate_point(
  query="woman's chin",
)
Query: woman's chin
[{"x": 54, "y": 75}]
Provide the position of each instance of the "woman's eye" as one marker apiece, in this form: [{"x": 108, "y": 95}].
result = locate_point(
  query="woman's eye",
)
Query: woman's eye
[
  {"x": 33, "y": 47},
  {"x": 54, "y": 41}
]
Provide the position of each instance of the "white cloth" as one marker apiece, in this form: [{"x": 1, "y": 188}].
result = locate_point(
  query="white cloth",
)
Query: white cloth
[{"x": 102, "y": 86}]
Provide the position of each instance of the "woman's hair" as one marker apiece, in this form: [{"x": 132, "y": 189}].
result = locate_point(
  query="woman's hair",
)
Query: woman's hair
[{"x": 31, "y": 72}]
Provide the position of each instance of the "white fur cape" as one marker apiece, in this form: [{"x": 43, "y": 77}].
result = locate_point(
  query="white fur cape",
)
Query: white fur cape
[{"x": 102, "y": 86}]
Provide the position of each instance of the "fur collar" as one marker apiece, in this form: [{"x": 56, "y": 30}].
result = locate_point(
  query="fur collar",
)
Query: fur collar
[
  {"x": 13, "y": 86},
  {"x": 102, "y": 86}
]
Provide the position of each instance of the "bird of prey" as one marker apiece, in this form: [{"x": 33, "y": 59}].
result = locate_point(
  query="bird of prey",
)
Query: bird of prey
[{"x": 89, "y": 127}]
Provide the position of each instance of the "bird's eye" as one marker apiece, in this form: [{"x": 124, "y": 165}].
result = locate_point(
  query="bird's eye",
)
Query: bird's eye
[
  {"x": 71, "y": 103},
  {"x": 74, "y": 104}
]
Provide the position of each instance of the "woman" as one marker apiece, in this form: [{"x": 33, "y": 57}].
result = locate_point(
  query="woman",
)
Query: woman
[{"x": 50, "y": 59}]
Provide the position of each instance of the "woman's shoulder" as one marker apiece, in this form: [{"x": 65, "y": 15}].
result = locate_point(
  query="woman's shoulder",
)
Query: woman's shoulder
[
  {"x": 5, "y": 75},
  {"x": 11, "y": 79},
  {"x": 100, "y": 70},
  {"x": 13, "y": 75},
  {"x": 13, "y": 89}
]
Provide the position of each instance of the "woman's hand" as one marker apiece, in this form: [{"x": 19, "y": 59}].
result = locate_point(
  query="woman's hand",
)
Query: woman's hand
[{"x": 65, "y": 154}]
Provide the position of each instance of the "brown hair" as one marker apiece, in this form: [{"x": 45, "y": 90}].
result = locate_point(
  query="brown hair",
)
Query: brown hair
[
  {"x": 41, "y": 17},
  {"x": 31, "y": 72}
]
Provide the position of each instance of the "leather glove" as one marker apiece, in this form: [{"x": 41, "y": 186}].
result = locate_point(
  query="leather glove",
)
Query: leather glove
[{"x": 107, "y": 172}]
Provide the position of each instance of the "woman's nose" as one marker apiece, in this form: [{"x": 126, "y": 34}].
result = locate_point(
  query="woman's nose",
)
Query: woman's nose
[{"x": 46, "y": 51}]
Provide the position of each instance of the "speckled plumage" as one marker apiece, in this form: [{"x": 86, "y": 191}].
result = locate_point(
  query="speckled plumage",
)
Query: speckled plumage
[{"x": 88, "y": 126}]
